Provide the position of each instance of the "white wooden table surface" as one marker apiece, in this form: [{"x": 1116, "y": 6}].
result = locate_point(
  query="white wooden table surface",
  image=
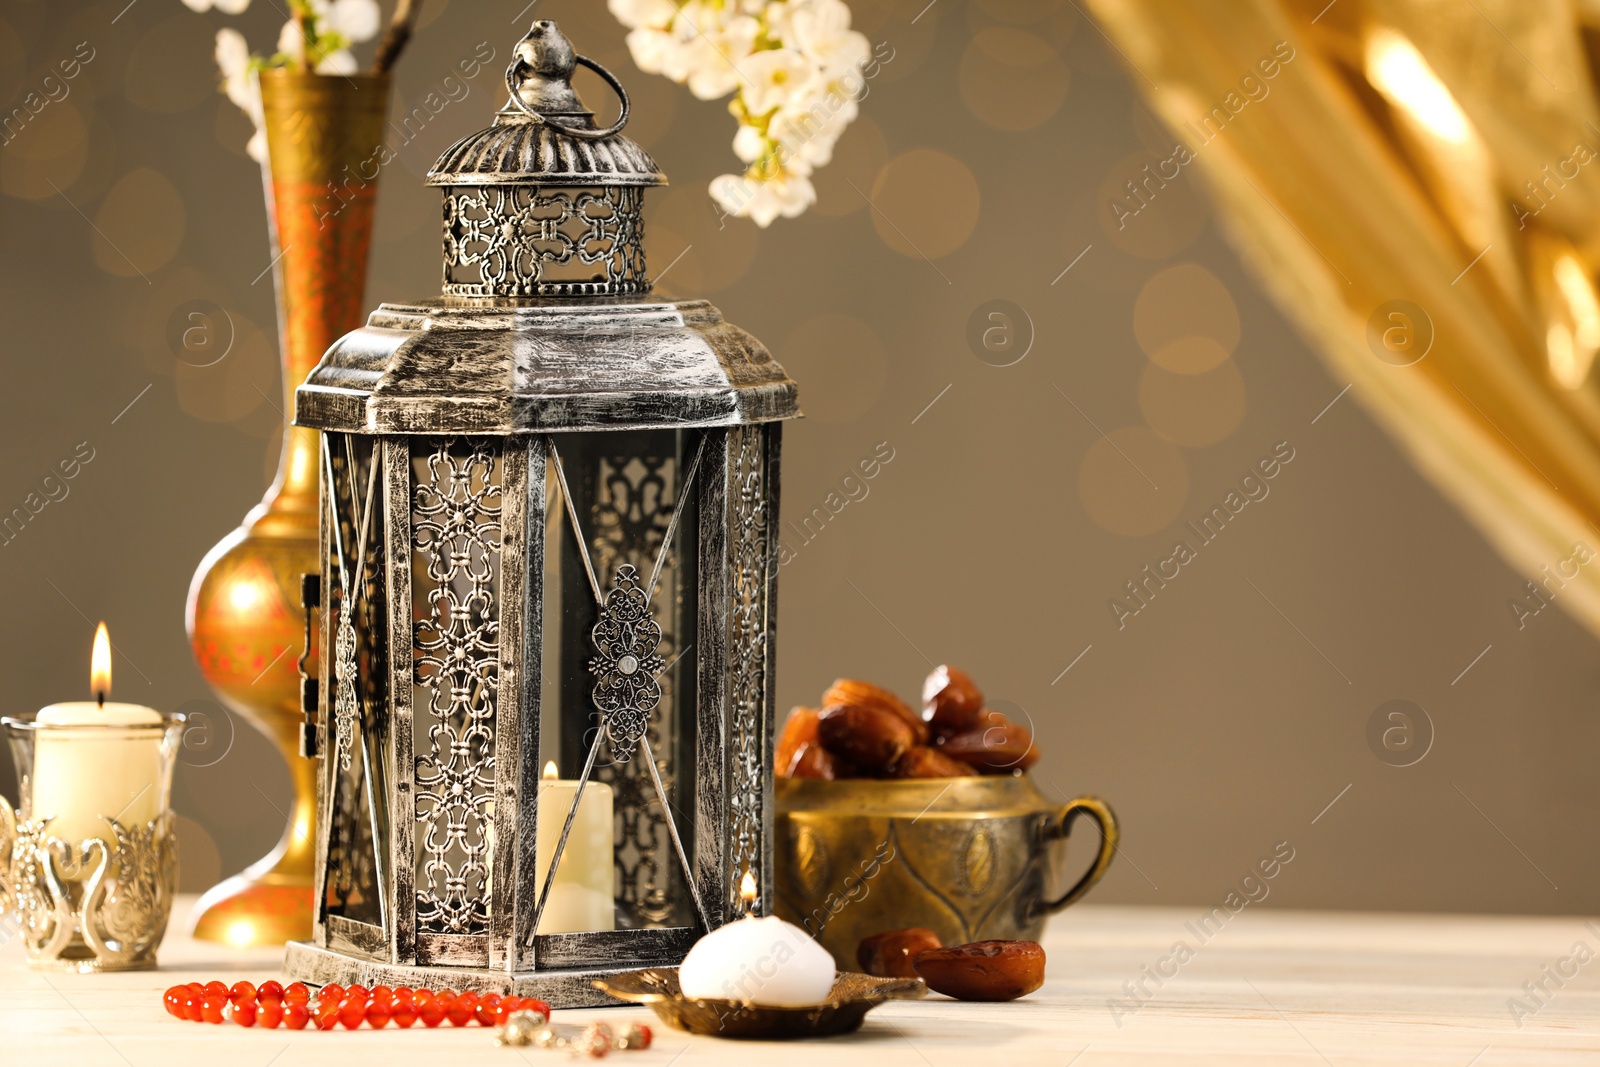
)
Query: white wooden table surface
[{"x": 1269, "y": 988}]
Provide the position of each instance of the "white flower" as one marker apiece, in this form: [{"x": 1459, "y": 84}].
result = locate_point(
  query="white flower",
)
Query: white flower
[
  {"x": 357, "y": 20},
  {"x": 820, "y": 29},
  {"x": 795, "y": 96},
  {"x": 749, "y": 144},
  {"x": 290, "y": 41},
  {"x": 340, "y": 62},
  {"x": 772, "y": 79},
  {"x": 785, "y": 194},
  {"x": 233, "y": 59},
  {"x": 652, "y": 49},
  {"x": 656, "y": 14},
  {"x": 711, "y": 54},
  {"x": 227, "y": 7},
  {"x": 807, "y": 134}
]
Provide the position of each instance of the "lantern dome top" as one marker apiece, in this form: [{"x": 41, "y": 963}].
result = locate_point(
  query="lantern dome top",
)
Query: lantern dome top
[{"x": 544, "y": 135}]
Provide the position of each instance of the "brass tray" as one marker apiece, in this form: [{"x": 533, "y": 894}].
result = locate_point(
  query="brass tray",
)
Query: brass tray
[{"x": 853, "y": 995}]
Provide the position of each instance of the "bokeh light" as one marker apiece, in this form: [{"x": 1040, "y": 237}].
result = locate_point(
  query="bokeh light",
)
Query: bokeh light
[
  {"x": 1145, "y": 213},
  {"x": 1133, "y": 482},
  {"x": 1193, "y": 409},
  {"x": 857, "y": 159},
  {"x": 139, "y": 225},
  {"x": 1185, "y": 319},
  {"x": 1012, "y": 79},
  {"x": 927, "y": 203},
  {"x": 52, "y": 148},
  {"x": 691, "y": 248}
]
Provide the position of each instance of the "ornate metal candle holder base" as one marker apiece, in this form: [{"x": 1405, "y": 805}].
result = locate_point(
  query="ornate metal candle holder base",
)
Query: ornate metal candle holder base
[{"x": 99, "y": 906}]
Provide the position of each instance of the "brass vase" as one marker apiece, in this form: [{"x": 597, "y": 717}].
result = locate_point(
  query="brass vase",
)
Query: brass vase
[{"x": 245, "y": 622}]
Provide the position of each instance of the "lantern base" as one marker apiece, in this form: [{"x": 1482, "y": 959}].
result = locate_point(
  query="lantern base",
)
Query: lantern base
[{"x": 574, "y": 988}]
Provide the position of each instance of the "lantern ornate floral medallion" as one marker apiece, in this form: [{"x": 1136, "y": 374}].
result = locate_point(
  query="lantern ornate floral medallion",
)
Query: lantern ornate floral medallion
[{"x": 546, "y": 510}]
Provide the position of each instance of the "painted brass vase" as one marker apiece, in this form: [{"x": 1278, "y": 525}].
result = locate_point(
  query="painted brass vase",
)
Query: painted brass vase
[
  {"x": 972, "y": 859},
  {"x": 245, "y": 620}
]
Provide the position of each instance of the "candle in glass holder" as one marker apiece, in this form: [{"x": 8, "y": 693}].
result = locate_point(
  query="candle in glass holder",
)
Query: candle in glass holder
[
  {"x": 86, "y": 770},
  {"x": 581, "y": 897}
]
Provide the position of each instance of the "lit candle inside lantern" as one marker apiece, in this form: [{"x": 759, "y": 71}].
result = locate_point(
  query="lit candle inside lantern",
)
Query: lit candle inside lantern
[
  {"x": 581, "y": 897},
  {"x": 86, "y": 769},
  {"x": 758, "y": 961}
]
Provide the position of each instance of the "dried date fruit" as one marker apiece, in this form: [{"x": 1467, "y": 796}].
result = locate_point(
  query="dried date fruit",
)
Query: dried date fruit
[
  {"x": 893, "y": 953},
  {"x": 799, "y": 729},
  {"x": 951, "y": 702},
  {"x": 865, "y": 694},
  {"x": 923, "y": 762},
  {"x": 871, "y": 739},
  {"x": 814, "y": 761},
  {"x": 983, "y": 970},
  {"x": 996, "y": 746}
]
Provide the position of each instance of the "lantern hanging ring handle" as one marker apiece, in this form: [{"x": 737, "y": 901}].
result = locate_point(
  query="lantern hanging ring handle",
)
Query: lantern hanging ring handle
[{"x": 514, "y": 75}]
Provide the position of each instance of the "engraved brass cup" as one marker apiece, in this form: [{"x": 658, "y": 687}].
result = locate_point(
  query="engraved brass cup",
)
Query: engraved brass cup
[
  {"x": 972, "y": 859},
  {"x": 325, "y": 141}
]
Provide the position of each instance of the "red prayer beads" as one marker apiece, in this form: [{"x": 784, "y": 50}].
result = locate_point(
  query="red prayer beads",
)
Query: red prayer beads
[{"x": 295, "y": 1007}]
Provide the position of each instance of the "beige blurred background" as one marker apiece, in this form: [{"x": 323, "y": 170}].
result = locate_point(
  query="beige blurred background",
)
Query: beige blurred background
[{"x": 1142, "y": 379}]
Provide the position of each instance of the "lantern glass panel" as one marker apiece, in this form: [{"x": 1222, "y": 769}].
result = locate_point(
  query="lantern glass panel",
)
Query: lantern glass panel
[{"x": 633, "y": 500}]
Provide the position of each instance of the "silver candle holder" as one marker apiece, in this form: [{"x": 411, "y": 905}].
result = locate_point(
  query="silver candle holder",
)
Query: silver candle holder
[{"x": 100, "y": 903}]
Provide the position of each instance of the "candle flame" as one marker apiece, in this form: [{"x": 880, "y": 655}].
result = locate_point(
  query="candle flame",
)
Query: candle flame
[
  {"x": 100, "y": 665},
  {"x": 747, "y": 890},
  {"x": 550, "y": 772}
]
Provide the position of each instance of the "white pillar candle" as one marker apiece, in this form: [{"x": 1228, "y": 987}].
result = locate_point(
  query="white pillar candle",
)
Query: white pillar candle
[
  {"x": 768, "y": 962},
  {"x": 96, "y": 761},
  {"x": 582, "y": 897}
]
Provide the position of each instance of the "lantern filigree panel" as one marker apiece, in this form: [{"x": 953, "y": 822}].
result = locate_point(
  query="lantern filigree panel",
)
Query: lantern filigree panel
[
  {"x": 527, "y": 240},
  {"x": 752, "y": 574},
  {"x": 355, "y": 698},
  {"x": 456, "y": 542}
]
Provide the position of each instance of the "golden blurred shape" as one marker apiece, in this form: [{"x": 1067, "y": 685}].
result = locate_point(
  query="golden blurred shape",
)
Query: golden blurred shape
[
  {"x": 139, "y": 225},
  {"x": 1012, "y": 79},
  {"x": 845, "y": 358},
  {"x": 926, "y": 203},
  {"x": 53, "y": 147},
  {"x": 1193, "y": 409},
  {"x": 1132, "y": 482},
  {"x": 857, "y": 159},
  {"x": 1185, "y": 319},
  {"x": 1397, "y": 70},
  {"x": 1455, "y": 184}
]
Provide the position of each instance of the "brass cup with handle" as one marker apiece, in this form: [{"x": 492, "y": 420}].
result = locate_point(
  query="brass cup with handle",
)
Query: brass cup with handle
[{"x": 972, "y": 859}]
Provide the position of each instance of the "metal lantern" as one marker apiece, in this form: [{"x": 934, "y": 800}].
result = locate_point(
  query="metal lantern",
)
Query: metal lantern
[{"x": 549, "y": 534}]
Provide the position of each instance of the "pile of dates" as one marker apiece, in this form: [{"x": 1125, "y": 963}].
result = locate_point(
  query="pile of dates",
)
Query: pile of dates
[
  {"x": 865, "y": 731},
  {"x": 983, "y": 970}
]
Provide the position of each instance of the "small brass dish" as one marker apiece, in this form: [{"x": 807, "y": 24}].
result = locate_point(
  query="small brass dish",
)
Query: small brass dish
[{"x": 847, "y": 1005}]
